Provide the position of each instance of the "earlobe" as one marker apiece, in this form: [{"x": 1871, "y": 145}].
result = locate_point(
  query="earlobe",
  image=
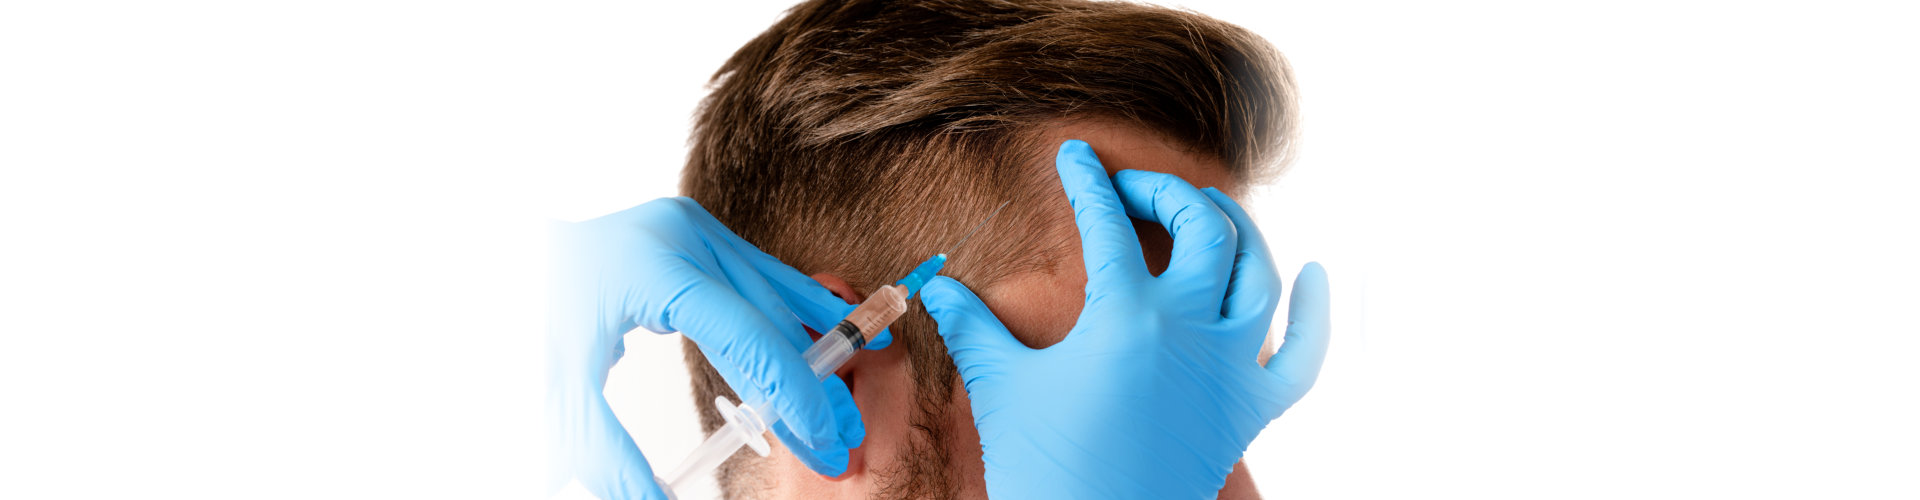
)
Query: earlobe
[{"x": 839, "y": 287}]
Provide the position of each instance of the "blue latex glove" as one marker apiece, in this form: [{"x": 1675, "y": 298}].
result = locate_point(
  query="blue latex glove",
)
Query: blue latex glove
[
  {"x": 1157, "y": 390},
  {"x": 670, "y": 266}
]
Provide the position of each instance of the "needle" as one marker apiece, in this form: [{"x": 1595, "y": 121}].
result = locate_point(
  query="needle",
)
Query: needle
[{"x": 976, "y": 228}]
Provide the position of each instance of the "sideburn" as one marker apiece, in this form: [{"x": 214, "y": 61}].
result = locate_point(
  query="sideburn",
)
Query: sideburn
[{"x": 924, "y": 469}]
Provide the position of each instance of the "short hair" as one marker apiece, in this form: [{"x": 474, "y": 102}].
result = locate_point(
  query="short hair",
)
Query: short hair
[{"x": 860, "y": 137}]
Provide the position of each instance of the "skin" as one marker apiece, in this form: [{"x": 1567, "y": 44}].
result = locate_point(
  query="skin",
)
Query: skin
[{"x": 1039, "y": 308}]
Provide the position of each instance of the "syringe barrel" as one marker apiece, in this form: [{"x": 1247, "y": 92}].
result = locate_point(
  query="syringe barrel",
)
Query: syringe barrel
[
  {"x": 832, "y": 349},
  {"x": 879, "y": 310}
]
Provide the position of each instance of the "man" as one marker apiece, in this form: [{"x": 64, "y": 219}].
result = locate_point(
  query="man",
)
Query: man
[{"x": 852, "y": 140}]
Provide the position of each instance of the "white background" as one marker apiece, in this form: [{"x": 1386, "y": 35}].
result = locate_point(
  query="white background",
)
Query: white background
[{"x": 1646, "y": 249}]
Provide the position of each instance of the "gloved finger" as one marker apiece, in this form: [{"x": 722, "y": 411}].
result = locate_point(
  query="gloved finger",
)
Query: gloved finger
[
  {"x": 747, "y": 280},
  {"x": 763, "y": 279},
  {"x": 829, "y": 462},
  {"x": 1203, "y": 239},
  {"x": 1309, "y": 329},
  {"x": 975, "y": 338},
  {"x": 853, "y": 432},
  {"x": 1107, "y": 242},
  {"x": 601, "y": 455},
  {"x": 678, "y": 244},
  {"x": 759, "y": 367},
  {"x": 815, "y": 305},
  {"x": 1254, "y": 292},
  {"x": 576, "y": 304}
]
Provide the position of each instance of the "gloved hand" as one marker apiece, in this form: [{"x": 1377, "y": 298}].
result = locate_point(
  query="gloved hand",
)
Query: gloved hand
[
  {"x": 1157, "y": 390},
  {"x": 667, "y": 266}
]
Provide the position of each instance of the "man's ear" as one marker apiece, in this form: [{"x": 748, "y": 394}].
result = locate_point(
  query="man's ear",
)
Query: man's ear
[{"x": 839, "y": 287}]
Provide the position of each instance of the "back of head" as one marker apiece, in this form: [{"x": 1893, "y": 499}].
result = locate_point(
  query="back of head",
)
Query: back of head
[{"x": 862, "y": 137}]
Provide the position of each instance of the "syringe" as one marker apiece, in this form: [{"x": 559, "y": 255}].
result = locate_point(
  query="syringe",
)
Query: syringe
[{"x": 747, "y": 424}]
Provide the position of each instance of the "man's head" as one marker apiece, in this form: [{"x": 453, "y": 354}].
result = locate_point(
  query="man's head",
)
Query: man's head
[{"x": 854, "y": 139}]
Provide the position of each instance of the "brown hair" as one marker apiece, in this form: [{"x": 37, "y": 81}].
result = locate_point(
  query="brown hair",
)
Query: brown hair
[{"x": 860, "y": 137}]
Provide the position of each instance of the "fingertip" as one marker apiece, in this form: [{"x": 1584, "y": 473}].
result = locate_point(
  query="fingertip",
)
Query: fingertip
[
  {"x": 816, "y": 306},
  {"x": 810, "y": 416},
  {"x": 950, "y": 302},
  {"x": 937, "y": 293},
  {"x": 1312, "y": 275},
  {"x": 1309, "y": 321},
  {"x": 831, "y": 463},
  {"x": 846, "y": 413},
  {"x": 818, "y": 436},
  {"x": 1077, "y": 155},
  {"x": 1204, "y": 236},
  {"x": 948, "y": 282}
]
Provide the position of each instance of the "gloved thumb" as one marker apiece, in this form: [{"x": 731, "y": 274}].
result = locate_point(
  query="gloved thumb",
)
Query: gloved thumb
[
  {"x": 1309, "y": 328},
  {"x": 975, "y": 337}
]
